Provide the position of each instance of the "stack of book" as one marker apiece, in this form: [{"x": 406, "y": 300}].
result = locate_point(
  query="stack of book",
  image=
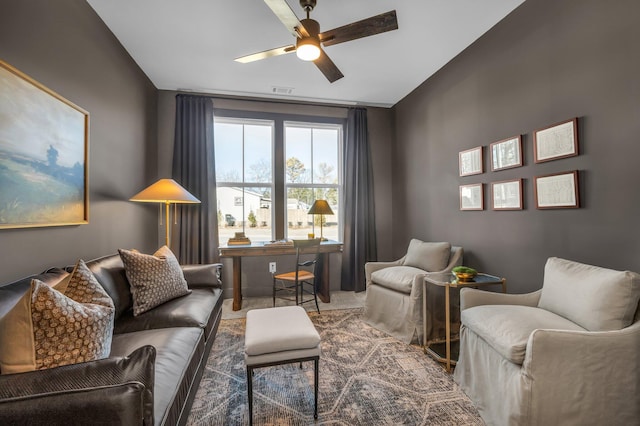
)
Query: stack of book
[
  {"x": 239, "y": 240},
  {"x": 280, "y": 243}
]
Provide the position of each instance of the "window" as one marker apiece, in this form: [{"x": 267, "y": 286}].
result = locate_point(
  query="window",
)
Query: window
[
  {"x": 244, "y": 178},
  {"x": 270, "y": 168},
  {"x": 312, "y": 173}
]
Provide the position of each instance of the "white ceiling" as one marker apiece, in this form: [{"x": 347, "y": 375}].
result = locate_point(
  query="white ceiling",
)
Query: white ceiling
[{"x": 190, "y": 45}]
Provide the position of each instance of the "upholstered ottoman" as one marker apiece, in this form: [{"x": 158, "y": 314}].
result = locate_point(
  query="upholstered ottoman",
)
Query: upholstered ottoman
[{"x": 277, "y": 336}]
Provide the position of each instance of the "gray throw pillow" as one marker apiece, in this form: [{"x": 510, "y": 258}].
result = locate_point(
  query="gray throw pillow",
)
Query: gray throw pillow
[
  {"x": 430, "y": 257},
  {"x": 154, "y": 279}
]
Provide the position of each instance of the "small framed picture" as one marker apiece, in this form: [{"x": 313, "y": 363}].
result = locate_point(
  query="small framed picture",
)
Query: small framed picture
[
  {"x": 559, "y": 140},
  {"x": 557, "y": 191},
  {"x": 471, "y": 197},
  {"x": 470, "y": 161},
  {"x": 506, "y": 154},
  {"x": 507, "y": 195}
]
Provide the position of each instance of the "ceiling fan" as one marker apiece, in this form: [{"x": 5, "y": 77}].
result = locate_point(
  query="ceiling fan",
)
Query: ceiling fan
[{"x": 309, "y": 39}]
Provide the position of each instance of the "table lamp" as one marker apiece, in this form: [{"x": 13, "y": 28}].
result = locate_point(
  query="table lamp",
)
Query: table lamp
[
  {"x": 320, "y": 207},
  {"x": 165, "y": 191}
]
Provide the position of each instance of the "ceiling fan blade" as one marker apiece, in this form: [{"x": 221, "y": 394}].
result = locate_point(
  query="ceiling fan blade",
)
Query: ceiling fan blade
[
  {"x": 327, "y": 67},
  {"x": 266, "y": 54},
  {"x": 367, "y": 27},
  {"x": 289, "y": 19}
]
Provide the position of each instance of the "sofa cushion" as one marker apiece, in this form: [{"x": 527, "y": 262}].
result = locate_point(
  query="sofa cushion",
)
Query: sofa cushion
[
  {"x": 48, "y": 328},
  {"x": 506, "y": 328},
  {"x": 596, "y": 298},
  {"x": 179, "y": 353},
  {"x": 199, "y": 309},
  {"x": 398, "y": 278},
  {"x": 430, "y": 257},
  {"x": 154, "y": 279}
]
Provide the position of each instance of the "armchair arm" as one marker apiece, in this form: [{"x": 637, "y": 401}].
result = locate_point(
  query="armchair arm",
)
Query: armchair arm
[
  {"x": 371, "y": 267},
  {"x": 594, "y": 374},
  {"x": 90, "y": 389},
  {"x": 470, "y": 297},
  {"x": 208, "y": 275}
]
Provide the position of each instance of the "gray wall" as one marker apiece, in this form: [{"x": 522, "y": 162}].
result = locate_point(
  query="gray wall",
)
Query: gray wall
[
  {"x": 546, "y": 62},
  {"x": 255, "y": 276},
  {"x": 66, "y": 47}
]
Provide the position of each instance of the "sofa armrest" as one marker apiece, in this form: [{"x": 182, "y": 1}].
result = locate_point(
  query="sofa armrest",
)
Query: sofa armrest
[
  {"x": 39, "y": 389},
  {"x": 371, "y": 267},
  {"x": 208, "y": 275},
  {"x": 576, "y": 367},
  {"x": 120, "y": 404},
  {"x": 470, "y": 297}
]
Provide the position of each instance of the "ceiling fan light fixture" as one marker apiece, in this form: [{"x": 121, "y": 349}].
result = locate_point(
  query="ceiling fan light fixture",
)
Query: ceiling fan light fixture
[{"x": 308, "y": 49}]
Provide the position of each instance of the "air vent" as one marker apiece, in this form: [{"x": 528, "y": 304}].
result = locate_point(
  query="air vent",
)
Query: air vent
[{"x": 281, "y": 90}]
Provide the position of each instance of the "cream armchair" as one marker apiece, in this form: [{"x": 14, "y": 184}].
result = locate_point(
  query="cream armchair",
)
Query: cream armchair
[
  {"x": 566, "y": 354},
  {"x": 393, "y": 302}
]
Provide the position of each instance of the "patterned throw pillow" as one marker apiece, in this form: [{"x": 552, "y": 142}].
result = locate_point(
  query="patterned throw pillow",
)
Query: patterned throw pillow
[
  {"x": 51, "y": 327},
  {"x": 154, "y": 279}
]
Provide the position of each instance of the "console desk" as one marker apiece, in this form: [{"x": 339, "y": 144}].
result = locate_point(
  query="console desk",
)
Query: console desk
[{"x": 237, "y": 252}]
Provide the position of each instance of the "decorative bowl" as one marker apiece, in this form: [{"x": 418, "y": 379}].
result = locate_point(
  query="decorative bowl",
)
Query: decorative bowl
[{"x": 465, "y": 276}]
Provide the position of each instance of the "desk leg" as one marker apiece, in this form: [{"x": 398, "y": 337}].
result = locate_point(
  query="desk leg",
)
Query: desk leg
[
  {"x": 324, "y": 290},
  {"x": 237, "y": 283}
]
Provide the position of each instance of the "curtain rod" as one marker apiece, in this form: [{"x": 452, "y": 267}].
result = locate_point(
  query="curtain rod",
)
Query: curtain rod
[{"x": 267, "y": 100}]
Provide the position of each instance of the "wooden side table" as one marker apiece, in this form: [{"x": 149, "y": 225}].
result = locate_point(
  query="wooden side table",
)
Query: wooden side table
[{"x": 448, "y": 281}]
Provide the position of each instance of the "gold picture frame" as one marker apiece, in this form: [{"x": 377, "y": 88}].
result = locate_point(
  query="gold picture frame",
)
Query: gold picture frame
[{"x": 44, "y": 155}]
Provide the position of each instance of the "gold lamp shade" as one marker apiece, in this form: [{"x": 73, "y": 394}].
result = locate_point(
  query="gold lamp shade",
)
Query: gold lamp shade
[
  {"x": 165, "y": 191},
  {"x": 320, "y": 207}
]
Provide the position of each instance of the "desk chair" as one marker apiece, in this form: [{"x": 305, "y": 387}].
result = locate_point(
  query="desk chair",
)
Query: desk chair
[{"x": 304, "y": 275}]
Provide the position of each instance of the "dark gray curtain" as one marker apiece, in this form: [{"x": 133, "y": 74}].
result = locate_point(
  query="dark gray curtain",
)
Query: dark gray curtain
[
  {"x": 359, "y": 224},
  {"x": 196, "y": 239}
]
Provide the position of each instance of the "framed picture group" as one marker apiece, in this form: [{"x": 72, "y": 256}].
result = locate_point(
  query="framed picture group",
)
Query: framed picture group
[{"x": 551, "y": 191}]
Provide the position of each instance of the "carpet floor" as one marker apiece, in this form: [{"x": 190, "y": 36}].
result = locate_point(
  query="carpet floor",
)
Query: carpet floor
[
  {"x": 366, "y": 378},
  {"x": 339, "y": 300}
]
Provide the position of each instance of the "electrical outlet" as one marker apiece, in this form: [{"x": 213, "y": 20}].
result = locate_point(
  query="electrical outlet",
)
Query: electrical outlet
[{"x": 272, "y": 267}]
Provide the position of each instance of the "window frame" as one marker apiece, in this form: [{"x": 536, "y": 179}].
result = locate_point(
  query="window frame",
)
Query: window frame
[{"x": 278, "y": 169}]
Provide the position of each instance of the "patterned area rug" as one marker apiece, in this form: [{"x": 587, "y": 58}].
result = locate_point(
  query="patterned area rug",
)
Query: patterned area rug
[{"x": 366, "y": 378}]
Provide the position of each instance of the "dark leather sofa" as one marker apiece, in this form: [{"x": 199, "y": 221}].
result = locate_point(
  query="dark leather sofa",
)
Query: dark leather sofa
[{"x": 154, "y": 368}]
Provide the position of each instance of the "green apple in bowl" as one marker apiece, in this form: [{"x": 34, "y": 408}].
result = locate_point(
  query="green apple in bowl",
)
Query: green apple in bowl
[{"x": 464, "y": 273}]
